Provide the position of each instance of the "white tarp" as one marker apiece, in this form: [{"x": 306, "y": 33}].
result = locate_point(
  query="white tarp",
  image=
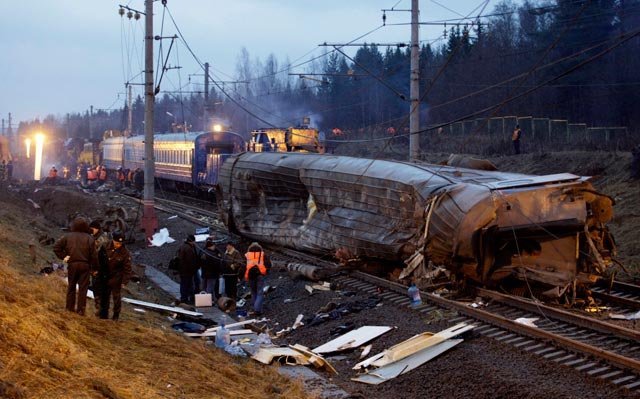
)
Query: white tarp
[{"x": 161, "y": 238}]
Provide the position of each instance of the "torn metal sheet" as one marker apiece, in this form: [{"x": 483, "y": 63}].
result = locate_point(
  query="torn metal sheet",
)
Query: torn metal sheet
[
  {"x": 486, "y": 225},
  {"x": 282, "y": 354},
  {"x": 172, "y": 309},
  {"x": 413, "y": 345},
  {"x": 403, "y": 366},
  {"x": 527, "y": 321},
  {"x": 352, "y": 339}
]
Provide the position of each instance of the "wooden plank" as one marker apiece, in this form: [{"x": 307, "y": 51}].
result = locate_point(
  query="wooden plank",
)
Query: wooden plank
[
  {"x": 162, "y": 307},
  {"x": 352, "y": 339},
  {"x": 403, "y": 366}
]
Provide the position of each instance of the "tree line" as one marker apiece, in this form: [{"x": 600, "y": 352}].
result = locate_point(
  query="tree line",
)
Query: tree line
[{"x": 563, "y": 59}]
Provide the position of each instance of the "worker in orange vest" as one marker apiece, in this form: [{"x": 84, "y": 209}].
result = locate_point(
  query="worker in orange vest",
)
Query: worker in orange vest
[{"x": 258, "y": 263}]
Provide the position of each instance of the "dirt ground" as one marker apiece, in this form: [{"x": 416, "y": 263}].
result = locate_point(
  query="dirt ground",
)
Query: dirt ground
[{"x": 477, "y": 368}]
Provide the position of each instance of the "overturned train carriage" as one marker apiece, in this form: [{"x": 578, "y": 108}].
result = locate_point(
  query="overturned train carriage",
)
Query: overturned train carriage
[{"x": 482, "y": 224}]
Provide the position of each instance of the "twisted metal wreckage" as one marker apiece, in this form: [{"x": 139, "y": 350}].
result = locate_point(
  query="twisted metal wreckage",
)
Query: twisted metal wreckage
[{"x": 485, "y": 225}]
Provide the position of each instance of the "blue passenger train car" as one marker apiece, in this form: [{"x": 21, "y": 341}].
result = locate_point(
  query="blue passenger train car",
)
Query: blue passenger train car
[{"x": 192, "y": 158}]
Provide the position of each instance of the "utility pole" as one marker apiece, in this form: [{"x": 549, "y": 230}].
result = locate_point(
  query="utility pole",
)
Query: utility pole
[
  {"x": 68, "y": 135},
  {"x": 205, "y": 117},
  {"x": 13, "y": 145},
  {"x": 414, "y": 116},
  {"x": 130, "y": 116},
  {"x": 2, "y": 131},
  {"x": 149, "y": 219},
  {"x": 91, "y": 122}
]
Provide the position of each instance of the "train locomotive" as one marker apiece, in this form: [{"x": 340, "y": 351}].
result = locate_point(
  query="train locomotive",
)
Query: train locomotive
[
  {"x": 485, "y": 226},
  {"x": 187, "y": 160}
]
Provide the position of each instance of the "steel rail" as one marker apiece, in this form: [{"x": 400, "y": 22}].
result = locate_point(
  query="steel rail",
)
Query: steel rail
[{"x": 508, "y": 324}]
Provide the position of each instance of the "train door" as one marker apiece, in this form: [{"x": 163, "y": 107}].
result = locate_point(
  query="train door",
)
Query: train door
[{"x": 215, "y": 158}]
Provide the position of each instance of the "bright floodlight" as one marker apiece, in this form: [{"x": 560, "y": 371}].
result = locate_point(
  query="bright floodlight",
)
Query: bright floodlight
[
  {"x": 217, "y": 128},
  {"x": 27, "y": 144},
  {"x": 39, "y": 147}
]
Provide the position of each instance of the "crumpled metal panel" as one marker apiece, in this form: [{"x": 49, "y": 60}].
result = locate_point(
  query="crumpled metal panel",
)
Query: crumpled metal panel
[{"x": 470, "y": 220}]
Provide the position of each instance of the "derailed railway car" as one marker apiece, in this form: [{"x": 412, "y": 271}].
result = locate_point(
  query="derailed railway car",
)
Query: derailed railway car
[
  {"x": 186, "y": 159},
  {"x": 482, "y": 225}
]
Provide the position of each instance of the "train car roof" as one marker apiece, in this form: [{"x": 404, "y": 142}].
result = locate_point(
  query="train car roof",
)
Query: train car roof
[{"x": 184, "y": 137}]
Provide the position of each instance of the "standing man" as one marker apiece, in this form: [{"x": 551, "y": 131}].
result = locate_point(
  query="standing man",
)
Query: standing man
[
  {"x": 515, "y": 138},
  {"x": 118, "y": 275},
  {"x": 233, "y": 266},
  {"x": 211, "y": 260},
  {"x": 188, "y": 268},
  {"x": 99, "y": 276},
  {"x": 79, "y": 249},
  {"x": 257, "y": 265}
]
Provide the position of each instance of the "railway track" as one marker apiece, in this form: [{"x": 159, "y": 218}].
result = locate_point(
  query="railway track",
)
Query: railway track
[
  {"x": 598, "y": 349},
  {"x": 624, "y": 295}
]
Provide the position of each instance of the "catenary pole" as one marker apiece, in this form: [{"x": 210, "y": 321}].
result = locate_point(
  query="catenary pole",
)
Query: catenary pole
[
  {"x": 149, "y": 219},
  {"x": 205, "y": 118},
  {"x": 414, "y": 116}
]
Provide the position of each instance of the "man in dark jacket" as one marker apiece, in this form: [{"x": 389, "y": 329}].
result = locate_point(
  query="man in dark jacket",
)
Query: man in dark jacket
[
  {"x": 188, "y": 268},
  {"x": 118, "y": 275},
  {"x": 79, "y": 249},
  {"x": 233, "y": 266},
  {"x": 211, "y": 264}
]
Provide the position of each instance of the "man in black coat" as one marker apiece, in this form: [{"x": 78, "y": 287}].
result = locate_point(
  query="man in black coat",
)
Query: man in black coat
[
  {"x": 211, "y": 259},
  {"x": 118, "y": 275},
  {"x": 188, "y": 268}
]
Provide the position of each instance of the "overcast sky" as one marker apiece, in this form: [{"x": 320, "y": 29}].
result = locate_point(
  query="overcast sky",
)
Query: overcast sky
[{"x": 65, "y": 55}]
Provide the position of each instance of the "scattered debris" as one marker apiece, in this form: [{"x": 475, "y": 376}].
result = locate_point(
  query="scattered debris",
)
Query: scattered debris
[
  {"x": 188, "y": 327},
  {"x": 413, "y": 345},
  {"x": 139, "y": 310},
  {"x": 298, "y": 322},
  {"x": 33, "y": 203},
  {"x": 282, "y": 354},
  {"x": 325, "y": 286},
  {"x": 527, "y": 321},
  {"x": 353, "y": 339},
  {"x": 309, "y": 289},
  {"x": 632, "y": 316},
  {"x": 161, "y": 238},
  {"x": 161, "y": 307},
  {"x": 366, "y": 351},
  {"x": 314, "y": 358},
  {"x": 309, "y": 271},
  {"x": 403, "y": 366},
  {"x": 172, "y": 217}
]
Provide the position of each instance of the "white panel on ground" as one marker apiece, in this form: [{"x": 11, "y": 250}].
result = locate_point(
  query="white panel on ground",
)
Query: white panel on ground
[
  {"x": 392, "y": 370},
  {"x": 352, "y": 339}
]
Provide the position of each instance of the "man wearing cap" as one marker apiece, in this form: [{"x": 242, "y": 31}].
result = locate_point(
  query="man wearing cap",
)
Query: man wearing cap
[
  {"x": 99, "y": 276},
  {"x": 211, "y": 265},
  {"x": 118, "y": 275},
  {"x": 188, "y": 268}
]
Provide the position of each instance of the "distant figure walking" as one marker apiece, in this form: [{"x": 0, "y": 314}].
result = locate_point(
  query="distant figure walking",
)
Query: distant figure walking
[
  {"x": 515, "y": 138},
  {"x": 79, "y": 249}
]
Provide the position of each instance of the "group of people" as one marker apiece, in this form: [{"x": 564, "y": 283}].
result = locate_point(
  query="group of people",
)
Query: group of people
[
  {"x": 97, "y": 259},
  {"x": 217, "y": 271},
  {"x": 6, "y": 170}
]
